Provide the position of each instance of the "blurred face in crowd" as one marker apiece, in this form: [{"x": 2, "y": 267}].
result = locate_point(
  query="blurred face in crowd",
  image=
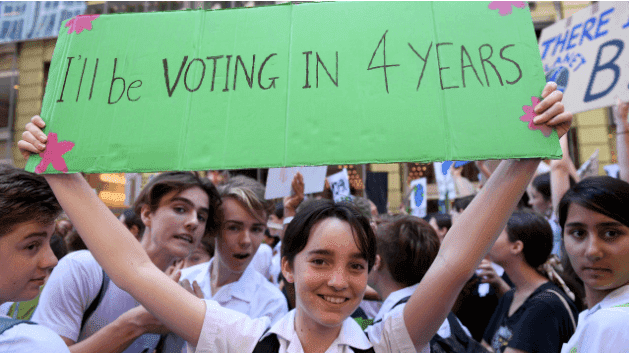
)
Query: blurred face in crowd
[
  {"x": 441, "y": 233},
  {"x": 178, "y": 223},
  {"x": 598, "y": 248},
  {"x": 240, "y": 237},
  {"x": 330, "y": 275},
  {"x": 198, "y": 256},
  {"x": 26, "y": 259},
  {"x": 537, "y": 201}
]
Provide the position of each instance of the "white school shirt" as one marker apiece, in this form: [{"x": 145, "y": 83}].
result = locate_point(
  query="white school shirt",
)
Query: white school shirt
[
  {"x": 28, "y": 338},
  {"x": 225, "y": 330},
  {"x": 604, "y": 328},
  {"x": 276, "y": 263},
  {"x": 252, "y": 294},
  {"x": 262, "y": 260},
  {"x": 388, "y": 309}
]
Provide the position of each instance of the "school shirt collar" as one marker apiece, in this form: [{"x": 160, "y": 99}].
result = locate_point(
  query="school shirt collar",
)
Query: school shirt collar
[
  {"x": 243, "y": 289},
  {"x": 392, "y": 299},
  {"x": 351, "y": 334},
  {"x": 620, "y": 296}
]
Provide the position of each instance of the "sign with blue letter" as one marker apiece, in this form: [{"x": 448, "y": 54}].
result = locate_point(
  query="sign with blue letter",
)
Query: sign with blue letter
[
  {"x": 587, "y": 55},
  {"x": 28, "y": 20}
]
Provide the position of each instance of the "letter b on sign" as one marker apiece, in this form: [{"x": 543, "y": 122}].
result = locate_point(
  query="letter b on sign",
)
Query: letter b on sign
[{"x": 610, "y": 65}]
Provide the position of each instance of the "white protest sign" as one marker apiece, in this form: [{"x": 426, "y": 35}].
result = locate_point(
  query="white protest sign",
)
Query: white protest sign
[
  {"x": 278, "y": 181},
  {"x": 588, "y": 55},
  {"x": 612, "y": 170},
  {"x": 590, "y": 167},
  {"x": 418, "y": 197},
  {"x": 339, "y": 183},
  {"x": 445, "y": 183}
]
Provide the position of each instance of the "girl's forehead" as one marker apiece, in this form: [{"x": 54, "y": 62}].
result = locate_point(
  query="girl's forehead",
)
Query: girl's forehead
[{"x": 332, "y": 234}]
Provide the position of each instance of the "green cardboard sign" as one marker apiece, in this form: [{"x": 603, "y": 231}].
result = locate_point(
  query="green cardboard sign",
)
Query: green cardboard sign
[{"x": 292, "y": 85}]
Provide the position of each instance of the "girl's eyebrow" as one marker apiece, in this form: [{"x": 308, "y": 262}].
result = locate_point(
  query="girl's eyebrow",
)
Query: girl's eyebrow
[
  {"x": 36, "y": 235},
  {"x": 326, "y": 252}
]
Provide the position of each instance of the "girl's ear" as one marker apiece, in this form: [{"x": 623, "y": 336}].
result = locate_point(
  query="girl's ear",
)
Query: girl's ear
[
  {"x": 145, "y": 215},
  {"x": 517, "y": 247},
  {"x": 287, "y": 271}
]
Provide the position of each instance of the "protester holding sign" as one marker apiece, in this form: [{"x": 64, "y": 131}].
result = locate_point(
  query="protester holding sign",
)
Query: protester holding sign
[
  {"x": 90, "y": 313},
  {"x": 28, "y": 210},
  {"x": 327, "y": 254}
]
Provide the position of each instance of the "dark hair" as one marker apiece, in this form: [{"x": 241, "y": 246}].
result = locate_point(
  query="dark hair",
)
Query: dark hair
[
  {"x": 534, "y": 231},
  {"x": 208, "y": 244},
  {"x": 363, "y": 205},
  {"x": 443, "y": 220},
  {"x": 279, "y": 210},
  {"x": 74, "y": 242},
  {"x": 298, "y": 231},
  {"x": 407, "y": 246},
  {"x": 133, "y": 219},
  {"x": 602, "y": 194},
  {"x": 25, "y": 197},
  {"x": 165, "y": 183},
  {"x": 541, "y": 183},
  {"x": 461, "y": 203},
  {"x": 58, "y": 246}
]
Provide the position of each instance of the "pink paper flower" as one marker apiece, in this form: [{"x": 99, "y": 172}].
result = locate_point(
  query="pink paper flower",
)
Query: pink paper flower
[
  {"x": 530, "y": 115},
  {"x": 505, "y": 7},
  {"x": 54, "y": 154},
  {"x": 81, "y": 22}
]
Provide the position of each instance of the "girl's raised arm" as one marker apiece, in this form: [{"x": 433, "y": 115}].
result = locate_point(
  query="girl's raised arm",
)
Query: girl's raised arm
[
  {"x": 471, "y": 237},
  {"x": 117, "y": 250}
]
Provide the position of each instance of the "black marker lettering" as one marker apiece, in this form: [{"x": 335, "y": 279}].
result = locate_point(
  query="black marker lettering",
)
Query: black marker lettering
[
  {"x": 307, "y": 53},
  {"x": 60, "y": 100},
  {"x": 166, "y": 77},
  {"x": 113, "y": 79},
  {"x": 483, "y": 60},
  {"x": 384, "y": 65},
  {"x": 93, "y": 79},
  {"x": 185, "y": 76},
  {"x": 247, "y": 77},
  {"x": 214, "y": 58},
  {"x": 229, "y": 57},
  {"x": 514, "y": 63},
  {"x": 425, "y": 60},
  {"x": 81, "y": 80},
  {"x": 463, "y": 66},
  {"x": 441, "y": 68},
  {"x": 336, "y": 82},
  {"x": 272, "y": 79},
  {"x": 132, "y": 86}
]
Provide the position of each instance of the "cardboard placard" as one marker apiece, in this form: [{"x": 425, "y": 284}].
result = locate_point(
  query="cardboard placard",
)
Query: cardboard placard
[
  {"x": 278, "y": 181},
  {"x": 587, "y": 54},
  {"x": 293, "y": 85}
]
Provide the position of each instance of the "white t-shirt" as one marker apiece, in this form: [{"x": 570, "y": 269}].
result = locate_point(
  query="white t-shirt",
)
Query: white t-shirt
[
  {"x": 28, "y": 338},
  {"x": 603, "y": 328},
  {"x": 262, "y": 260},
  {"x": 72, "y": 287},
  {"x": 252, "y": 294},
  {"x": 276, "y": 263}
]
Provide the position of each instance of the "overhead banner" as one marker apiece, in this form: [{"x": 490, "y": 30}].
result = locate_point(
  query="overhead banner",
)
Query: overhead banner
[
  {"x": 587, "y": 55},
  {"x": 28, "y": 20},
  {"x": 293, "y": 85}
]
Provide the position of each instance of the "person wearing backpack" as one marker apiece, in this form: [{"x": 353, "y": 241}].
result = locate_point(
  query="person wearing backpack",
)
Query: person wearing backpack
[
  {"x": 537, "y": 315},
  {"x": 407, "y": 246},
  {"x": 28, "y": 209},
  {"x": 89, "y": 311}
]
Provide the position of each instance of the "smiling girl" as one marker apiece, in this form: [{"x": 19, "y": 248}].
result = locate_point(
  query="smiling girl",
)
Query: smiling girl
[{"x": 329, "y": 267}]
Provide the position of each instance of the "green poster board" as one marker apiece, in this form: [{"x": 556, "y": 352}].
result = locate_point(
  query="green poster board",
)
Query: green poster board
[{"x": 292, "y": 85}]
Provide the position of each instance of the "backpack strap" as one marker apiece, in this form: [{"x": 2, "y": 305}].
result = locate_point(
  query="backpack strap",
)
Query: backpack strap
[
  {"x": 7, "y": 323},
  {"x": 96, "y": 302},
  {"x": 565, "y": 304},
  {"x": 270, "y": 344},
  {"x": 400, "y": 302},
  {"x": 455, "y": 328}
]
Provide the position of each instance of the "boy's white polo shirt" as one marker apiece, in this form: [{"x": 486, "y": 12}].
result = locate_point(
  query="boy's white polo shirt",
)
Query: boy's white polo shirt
[{"x": 604, "y": 327}]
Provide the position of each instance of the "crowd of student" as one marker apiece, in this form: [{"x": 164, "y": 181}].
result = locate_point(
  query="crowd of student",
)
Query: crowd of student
[{"x": 187, "y": 269}]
